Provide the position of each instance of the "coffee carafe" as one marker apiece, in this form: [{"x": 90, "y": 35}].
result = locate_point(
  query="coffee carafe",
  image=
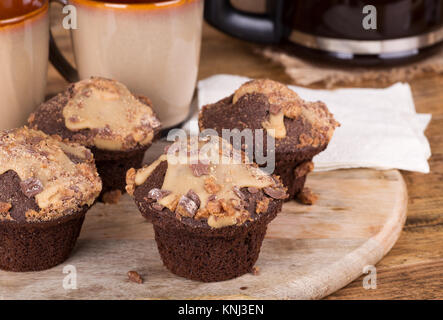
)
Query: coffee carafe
[{"x": 360, "y": 32}]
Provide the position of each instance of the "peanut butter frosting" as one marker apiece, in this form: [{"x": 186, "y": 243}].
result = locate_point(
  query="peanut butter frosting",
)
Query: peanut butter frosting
[
  {"x": 205, "y": 182},
  {"x": 119, "y": 119},
  {"x": 286, "y": 103},
  {"x": 60, "y": 176}
]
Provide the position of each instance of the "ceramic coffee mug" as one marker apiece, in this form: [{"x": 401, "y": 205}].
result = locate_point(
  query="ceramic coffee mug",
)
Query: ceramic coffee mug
[
  {"x": 24, "y": 46},
  {"x": 153, "y": 47}
]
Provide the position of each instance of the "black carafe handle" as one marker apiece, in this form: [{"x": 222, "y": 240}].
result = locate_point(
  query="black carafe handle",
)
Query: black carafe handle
[{"x": 247, "y": 26}]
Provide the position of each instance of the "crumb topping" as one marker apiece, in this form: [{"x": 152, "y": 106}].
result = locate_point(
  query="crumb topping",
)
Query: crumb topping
[
  {"x": 119, "y": 119},
  {"x": 286, "y": 103},
  {"x": 303, "y": 169},
  {"x": 205, "y": 182},
  {"x": 60, "y": 176},
  {"x": 4, "y": 210}
]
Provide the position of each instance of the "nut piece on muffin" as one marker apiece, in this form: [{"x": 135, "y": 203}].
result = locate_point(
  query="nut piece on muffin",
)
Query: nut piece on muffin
[
  {"x": 102, "y": 115},
  {"x": 46, "y": 187},
  {"x": 210, "y": 210},
  {"x": 301, "y": 129}
]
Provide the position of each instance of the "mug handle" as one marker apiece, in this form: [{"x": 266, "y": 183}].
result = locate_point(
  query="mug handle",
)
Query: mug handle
[
  {"x": 56, "y": 57},
  {"x": 247, "y": 26}
]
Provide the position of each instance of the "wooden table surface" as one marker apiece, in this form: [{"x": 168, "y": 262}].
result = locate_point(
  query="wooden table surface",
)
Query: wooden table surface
[{"x": 413, "y": 269}]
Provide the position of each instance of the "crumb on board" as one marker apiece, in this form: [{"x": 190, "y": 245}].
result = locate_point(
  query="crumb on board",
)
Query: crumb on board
[
  {"x": 255, "y": 271},
  {"x": 134, "y": 276},
  {"x": 112, "y": 197},
  {"x": 306, "y": 196}
]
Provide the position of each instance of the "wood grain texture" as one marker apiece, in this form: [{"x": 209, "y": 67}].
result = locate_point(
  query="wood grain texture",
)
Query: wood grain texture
[
  {"x": 413, "y": 268},
  {"x": 309, "y": 251}
]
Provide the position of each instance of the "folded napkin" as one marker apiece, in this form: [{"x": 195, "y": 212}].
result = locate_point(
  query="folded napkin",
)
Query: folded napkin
[{"x": 380, "y": 128}]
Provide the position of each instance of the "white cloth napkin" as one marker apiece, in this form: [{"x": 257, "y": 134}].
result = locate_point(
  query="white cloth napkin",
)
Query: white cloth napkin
[{"x": 380, "y": 128}]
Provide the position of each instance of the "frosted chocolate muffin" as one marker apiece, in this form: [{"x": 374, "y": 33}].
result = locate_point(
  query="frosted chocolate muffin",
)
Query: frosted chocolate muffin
[
  {"x": 106, "y": 117},
  {"x": 46, "y": 187},
  {"x": 209, "y": 213},
  {"x": 301, "y": 129}
]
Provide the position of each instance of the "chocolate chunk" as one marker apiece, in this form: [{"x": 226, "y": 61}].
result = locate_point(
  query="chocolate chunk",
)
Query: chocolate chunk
[
  {"x": 252, "y": 190},
  {"x": 155, "y": 123},
  {"x": 157, "y": 193},
  {"x": 134, "y": 276},
  {"x": 274, "y": 108},
  {"x": 194, "y": 197},
  {"x": 212, "y": 197},
  {"x": 238, "y": 192},
  {"x": 74, "y": 119},
  {"x": 199, "y": 169},
  {"x": 31, "y": 187},
  {"x": 157, "y": 206},
  {"x": 36, "y": 139},
  {"x": 74, "y": 158},
  {"x": 105, "y": 132},
  {"x": 88, "y": 154},
  {"x": 275, "y": 193},
  {"x": 186, "y": 207}
]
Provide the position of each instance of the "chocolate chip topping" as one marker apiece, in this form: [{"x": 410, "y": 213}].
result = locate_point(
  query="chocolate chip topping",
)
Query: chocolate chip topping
[
  {"x": 186, "y": 207},
  {"x": 238, "y": 192},
  {"x": 252, "y": 190},
  {"x": 31, "y": 187},
  {"x": 275, "y": 193},
  {"x": 199, "y": 169},
  {"x": 212, "y": 197},
  {"x": 194, "y": 197},
  {"x": 157, "y": 206},
  {"x": 157, "y": 193},
  {"x": 74, "y": 119}
]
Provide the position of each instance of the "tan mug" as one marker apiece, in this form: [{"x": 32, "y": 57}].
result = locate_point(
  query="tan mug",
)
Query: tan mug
[
  {"x": 24, "y": 46},
  {"x": 153, "y": 47}
]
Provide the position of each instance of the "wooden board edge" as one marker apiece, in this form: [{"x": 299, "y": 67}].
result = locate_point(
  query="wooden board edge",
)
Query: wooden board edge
[{"x": 371, "y": 252}]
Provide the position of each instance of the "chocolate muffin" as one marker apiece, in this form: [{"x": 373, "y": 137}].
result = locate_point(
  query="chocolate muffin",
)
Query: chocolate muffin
[
  {"x": 46, "y": 187},
  {"x": 301, "y": 129},
  {"x": 209, "y": 212},
  {"x": 106, "y": 117}
]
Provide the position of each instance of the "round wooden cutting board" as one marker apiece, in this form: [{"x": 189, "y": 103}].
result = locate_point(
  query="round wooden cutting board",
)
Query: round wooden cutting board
[{"x": 309, "y": 251}]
